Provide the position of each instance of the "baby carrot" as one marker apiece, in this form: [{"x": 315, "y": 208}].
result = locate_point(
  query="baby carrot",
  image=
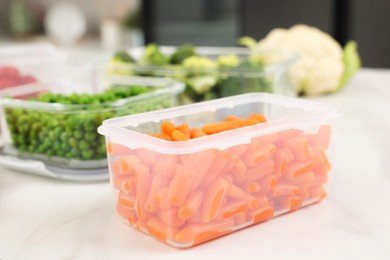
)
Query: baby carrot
[
  {"x": 261, "y": 170},
  {"x": 199, "y": 163},
  {"x": 160, "y": 230},
  {"x": 213, "y": 200},
  {"x": 184, "y": 128},
  {"x": 171, "y": 218},
  {"x": 268, "y": 182},
  {"x": 252, "y": 187},
  {"x": 167, "y": 127},
  {"x": 229, "y": 125},
  {"x": 124, "y": 165},
  {"x": 239, "y": 167},
  {"x": 147, "y": 156},
  {"x": 299, "y": 146},
  {"x": 162, "y": 136},
  {"x": 165, "y": 168},
  {"x": 233, "y": 208},
  {"x": 161, "y": 198},
  {"x": 191, "y": 205},
  {"x": 196, "y": 132},
  {"x": 118, "y": 149},
  {"x": 237, "y": 193},
  {"x": 123, "y": 183},
  {"x": 179, "y": 136},
  {"x": 158, "y": 182},
  {"x": 262, "y": 214},
  {"x": 233, "y": 118},
  {"x": 259, "y": 117},
  {"x": 252, "y": 158},
  {"x": 142, "y": 180},
  {"x": 179, "y": 186},
  {"x": 284, "y": 189},
  {"x": 216, "y": 168},
  {"x": 322, "y": 137}
]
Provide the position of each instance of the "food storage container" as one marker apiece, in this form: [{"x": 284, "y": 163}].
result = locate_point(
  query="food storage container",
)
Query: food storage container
[
  {"x": 22, "y": 64},
  {"x": 187, "y": 192},
  {"x": 205, "y": 81},
  {"x": 63, "y": 134}
]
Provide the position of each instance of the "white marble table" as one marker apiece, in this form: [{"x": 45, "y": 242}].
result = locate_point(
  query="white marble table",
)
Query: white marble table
[{"x": 42, "y": 218}]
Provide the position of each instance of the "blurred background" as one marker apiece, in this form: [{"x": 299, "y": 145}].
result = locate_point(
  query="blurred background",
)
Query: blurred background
[{"x": 116, "y": 24}]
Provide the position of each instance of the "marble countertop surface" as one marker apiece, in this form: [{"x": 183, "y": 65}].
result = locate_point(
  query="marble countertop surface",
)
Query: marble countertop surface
[{"x": 42, "y": 218}]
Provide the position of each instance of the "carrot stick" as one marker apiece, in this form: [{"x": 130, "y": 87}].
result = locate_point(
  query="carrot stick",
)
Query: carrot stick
[
  {"x": 216, "y": 168},
  {"x": 261, "y": 214},
  {"x": 171, "y": 218},
  {"x": 167, "y": 127},
  {"x": 196, "y": 132},
  {"x": 184, "y": 128},
  {"x": 146, "y": 156},
  {"x": 142, "y": 180},
  {"x": 224, "y": 126},
  {"x": 123, "y": 183},
  {"x": 233, "y": 118},
  {"x": 259, "y": 117},
  {"x": 237, "y": 193},
  {"x": 198, "y": 233},
  {"x": 162, "y": 136},
  {"x": 233, "y": 208},
  {"x": 239, "y": 167},
  {"x": 158, "y": 182},
  {"x": 268, "y": 182},
  {"x": 252, "y": 159},
  {"x": 191, "y": 205},
  {"x": 128, "y": 201},
  {"x": 165, "y": 168},
  {"x": 179, "y": 186},
  {"x": 160, "y": 230},
  {"x": 292, "y": 203},
  {"x": 280, "y": 163},
  {"x": 161, "y": 198},
  {"x": 179, "y": 136},
  {"x": 124, "y": 165},
  {"x": 213, "y": 200},
  {"x": 199, "y": 163},
  {"x": 322, "y": 138},
  {"x": 252, "y": 187},
  {"x": 299, "y": 146},
  {"x": 298, "y": 168},
  {"x": 261, "y": 170},
  {"x": 284, "y": 189}
]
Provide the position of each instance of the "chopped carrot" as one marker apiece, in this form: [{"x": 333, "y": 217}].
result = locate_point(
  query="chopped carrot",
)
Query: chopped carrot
[
  {"x": 233, "y": 118},
  {"x": 167, "y": 127},
  {"x": 179, "y": 136},
  {"x": 158, "y": 182},
  {"x": 284, "y": 189},
  {"x": 162, "y": 199},
  {"x": 299, "y": 146},
  {"x": 229, "y": 125},
  {"x": 171, "y": 218},
  {"x": 253, "y": 158},
  {"x": 127, "y": 201},
  {"x": 184, "y": 128},
  {"x": 216, "y": 168},
  {"x": 213, "y": 200},
  {"x": 123, "y": 183},
  {"x": 165, "y": 167},
  {"x": 196, "y": 132},
  {"x": 191, "y": 205},
  {"x": 147, "y": 156},
  {"x": 262, "y": 214},
  {"x": 124, "y": 165},
  {"x": 142, "y": 180},
  {"x": 237, "y": 193},
  {"x": 162, "y": 136},
  {"x": 233, "y": 208},
  {"x": 160, "y": 230},
  {"x": 259, "y": 117},
  {"x": 200, "y": 162},
  {"x": 179, "y": 186}
]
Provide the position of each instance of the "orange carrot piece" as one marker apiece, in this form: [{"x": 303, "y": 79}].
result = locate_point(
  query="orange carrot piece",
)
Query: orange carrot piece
[
  {"x": 160, "y": 230},
  {"x": 322, "y": 138},
  {"x": 261, "y": 170},
  {"x": 171, "y": 218},
  {"x": 142, "y": 180},
  {"x": 147, "y": 156},
  {"x": 253, "y": 158},
  {"x": 165, "y": 168},
  {"x": 252, "y": 187},
  {"x": 238, "y": 149},
  {"x": 167, "y": 127},
  {"x": 179, "y": 186},
  {"x": 118, "y": 149},
  {"x": 128, "y": 201},
  {"x": 262, "y": 214},
  {"x": 240, "y": 219},
  {"x": 230, "y": 125},
  {"x": 233, "y": 208},
  {"x": 237, "y": 193},
  {"x": 199, "y": 163},
  {"x": 158, "y": 182},
  {"x": 293, "y": 203},
  {"x": 179, "y": 136},
  {"x": 162, "y": 136},
  {"x": 162, "y": 199},
  {"x": 191, "y": 205},
  {"x": 213, "y": 200},
  {"x": 259, "y": 117},
  {"x": 184, "y": 128},
  {"x": 196, "y": 132},
  {"x": 268, "y": 182},
  {"x": 233, "y": 118},
  {"x": 198, "y": 233},
  {"x": 299, "y": 146},
  {"x": 298, "y": 168},
  {"x": 284, "y": 189},
  {"x": 216, "y": 168},
  {"x": 123, "y": 183},
  {"x": 124, "y": 165},
  {"x": 280, "y": 163}
]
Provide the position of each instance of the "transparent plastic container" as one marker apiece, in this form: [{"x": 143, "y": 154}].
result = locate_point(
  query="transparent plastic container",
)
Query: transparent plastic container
[
  {"x": 188, "y": 192},
  {"x": 65, "y": 136},
  {"x": 211, "y": 83},
  {"x": 22, "y": 64}
]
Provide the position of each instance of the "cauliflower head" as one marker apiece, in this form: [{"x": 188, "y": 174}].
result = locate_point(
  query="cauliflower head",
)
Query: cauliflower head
[{"x": 320, "y": 65}]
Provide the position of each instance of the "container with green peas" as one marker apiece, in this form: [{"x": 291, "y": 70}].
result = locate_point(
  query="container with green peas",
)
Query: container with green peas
[{"x": 57, "y": 125}]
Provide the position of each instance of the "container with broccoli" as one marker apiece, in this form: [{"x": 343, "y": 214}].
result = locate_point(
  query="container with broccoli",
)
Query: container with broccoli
[
  {"x": 60, "y": 129},
  {"x": 208, "y": 74}
]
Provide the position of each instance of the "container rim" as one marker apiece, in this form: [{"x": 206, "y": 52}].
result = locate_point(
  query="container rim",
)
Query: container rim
[
  {"x": 168, "y": 86},
  {"x": 315, "y": 113}
]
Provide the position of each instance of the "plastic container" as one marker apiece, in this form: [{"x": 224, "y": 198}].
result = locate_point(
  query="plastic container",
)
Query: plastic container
[
  {"x": 210, "y": 83},
  {"x": 65, "y": 136},
  {"x": 22, "y": 64},
  {"x": 188, "y": 192}
]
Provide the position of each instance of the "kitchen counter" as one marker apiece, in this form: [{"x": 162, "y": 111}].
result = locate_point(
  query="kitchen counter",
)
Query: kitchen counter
[{"x": 42, "y": 218}]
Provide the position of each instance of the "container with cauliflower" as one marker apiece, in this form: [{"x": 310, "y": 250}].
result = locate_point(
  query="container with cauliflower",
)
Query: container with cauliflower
[{"x": 209, "y": 72}]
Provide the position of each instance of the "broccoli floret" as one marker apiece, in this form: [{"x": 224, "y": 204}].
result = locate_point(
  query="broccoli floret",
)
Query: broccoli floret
[
  {"x": 228, "y": 61},
  {"x": 247, "y": 41},
  {"x": 199, "y": 63},
  {"x": 122, "y": 57},
  {"x": 250, "y": 80},
  {"x": 183, "y": 52},
  {"x": 153, "y": 56}
]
